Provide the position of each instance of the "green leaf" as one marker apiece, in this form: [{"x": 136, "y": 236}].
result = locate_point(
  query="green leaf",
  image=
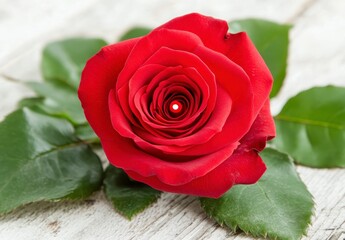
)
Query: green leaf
[
  {"x": 33, "y": 103},
  {"x": 41, "y": 105},
  {"x": 135, "y": 32},
  {"x": 41, "y": 159},
  {"x": 30, "y": 102},
  {"x": 85, "y": 133},
  {"x": 64, "y": 60},
  {"x": 127, "y": 196},
  {"x": 311, "y": 127},
  {"x": 272, "y": 41},
  {"x": 59, "y": 100},
  {"x": 278, "y": 205}
]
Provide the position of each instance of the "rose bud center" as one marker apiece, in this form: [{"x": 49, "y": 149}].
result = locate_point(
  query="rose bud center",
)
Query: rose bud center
[{"x": 175, "y": 107}]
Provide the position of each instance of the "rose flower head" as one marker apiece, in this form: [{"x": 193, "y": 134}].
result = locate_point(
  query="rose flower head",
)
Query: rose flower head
[{"x": 184, "y": 109}]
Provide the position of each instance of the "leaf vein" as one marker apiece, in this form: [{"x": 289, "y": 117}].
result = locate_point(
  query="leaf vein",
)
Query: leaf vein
[
  {"x": 61, "y": 147},
  {"x": 309, "y": 122}
]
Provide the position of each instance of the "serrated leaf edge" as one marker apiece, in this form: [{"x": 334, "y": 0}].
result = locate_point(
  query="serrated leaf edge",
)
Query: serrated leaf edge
[{"x": 234, "y": 227}]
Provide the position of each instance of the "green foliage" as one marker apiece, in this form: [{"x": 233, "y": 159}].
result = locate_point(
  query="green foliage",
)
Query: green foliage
[
  {"x": 58, "y": 100},
  {"x": 41, "y": 159},
  {"x": 85, "y": 133},
  {"x": 278, "y": 205},
  {"x": 64, "y": 60},
  {"x": 62, "y": 64},
  {"x": 127, "y": 196},
  {"x": 135, "y": 32},
  {"x": 311, "y": 127}
]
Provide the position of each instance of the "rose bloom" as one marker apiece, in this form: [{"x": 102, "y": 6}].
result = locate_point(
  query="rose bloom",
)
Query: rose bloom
[{"x": 184, "y": 109}]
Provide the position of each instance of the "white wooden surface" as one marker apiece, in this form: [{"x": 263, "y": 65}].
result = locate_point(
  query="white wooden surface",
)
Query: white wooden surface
[{"x": 317, "y": 57}]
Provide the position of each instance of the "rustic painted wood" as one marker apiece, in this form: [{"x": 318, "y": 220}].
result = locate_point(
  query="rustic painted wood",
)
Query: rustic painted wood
[{"x": 317, "y": 57}]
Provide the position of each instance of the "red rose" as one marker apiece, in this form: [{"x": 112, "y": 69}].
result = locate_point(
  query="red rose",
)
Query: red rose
[{"x": 184, "y": 109}]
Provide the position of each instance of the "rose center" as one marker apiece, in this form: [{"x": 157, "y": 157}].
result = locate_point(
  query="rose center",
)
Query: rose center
[{"x": 175, "y": 106}]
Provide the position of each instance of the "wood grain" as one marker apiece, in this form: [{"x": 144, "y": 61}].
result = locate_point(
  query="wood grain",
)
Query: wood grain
[{"x": 317, "y": 57}]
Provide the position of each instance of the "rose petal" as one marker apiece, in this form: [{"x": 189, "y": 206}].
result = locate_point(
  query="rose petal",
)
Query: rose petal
[
  {"x": 122, "y": 153},
  {"x": 168, "y": 122},
  {"x": 213, "y": 126},
  {"x": 237, "y": 84},
  {"x": 163, "y": 81},
  {"x": 242, "y": 51},
  {"x": 262, "y": 130},
  {"x": 148, "y": 46},
  {"x": 237, "y": 47},
  {"x": 98, "y": 78},
  {"x": 241, "y": 167},
  {"x": 210, "y": 30},
  {"x": 176, "y": 145},
  {"x": 232, "y": 79},
  {"x": 171, "y": 57},
  {"x": 142, "y": 77}
]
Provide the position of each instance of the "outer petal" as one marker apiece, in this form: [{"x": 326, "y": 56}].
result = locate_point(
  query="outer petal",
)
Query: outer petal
[
  {"x": 262, "y": 130},
  {"x": 98, "y": 78},
  {"x": 122, "y": 153},
  {"x": 210, "y": 30},
  {"x": 149, "y": 44},
  {"x": 241, "y": 167},
  {"x": 241, "y": 50}
]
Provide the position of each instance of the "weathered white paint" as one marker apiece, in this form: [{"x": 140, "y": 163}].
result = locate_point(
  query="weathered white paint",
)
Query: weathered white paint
[{"x": 317, "y": 57}]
